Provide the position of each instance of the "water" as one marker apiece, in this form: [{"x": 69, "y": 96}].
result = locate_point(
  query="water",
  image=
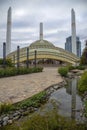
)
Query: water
[{"x": 67, "y": 100}]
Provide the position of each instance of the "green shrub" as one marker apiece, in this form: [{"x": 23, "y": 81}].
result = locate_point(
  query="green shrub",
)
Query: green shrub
[
  {"x": 80, "y": 67},
  {"x": 63, "y": 71},
  {"x": 12, "y": 71},
  {"x": 71, "y": 67},
  {"x": 82, "y": 87}
]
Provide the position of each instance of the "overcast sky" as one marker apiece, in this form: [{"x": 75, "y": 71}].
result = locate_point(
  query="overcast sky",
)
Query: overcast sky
[{"x": 55, "y": 15}]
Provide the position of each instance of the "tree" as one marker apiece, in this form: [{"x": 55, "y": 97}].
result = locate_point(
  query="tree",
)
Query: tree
[{"x": 83, "y": 60}]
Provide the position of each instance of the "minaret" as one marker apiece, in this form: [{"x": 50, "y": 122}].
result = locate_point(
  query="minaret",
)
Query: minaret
[
  {"x": 73, "y": 28},
  {"x": 41, "y": 31},
  {"x": 8, "y": 34}
]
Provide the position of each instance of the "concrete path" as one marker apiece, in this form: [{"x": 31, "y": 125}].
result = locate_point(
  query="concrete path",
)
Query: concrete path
[{"x": 17, "y": 88}]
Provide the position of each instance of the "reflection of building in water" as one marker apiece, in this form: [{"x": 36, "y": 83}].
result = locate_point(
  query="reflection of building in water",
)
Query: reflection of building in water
[
  {"x": 73, "y": 107},
  {"x": 69, "y": 87}
]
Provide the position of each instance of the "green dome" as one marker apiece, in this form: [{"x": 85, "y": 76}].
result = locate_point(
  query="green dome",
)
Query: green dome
[{"x": 41, "y": 44}]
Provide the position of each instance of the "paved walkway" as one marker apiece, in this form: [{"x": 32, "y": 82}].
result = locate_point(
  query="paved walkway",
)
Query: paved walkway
[{"x": 17, "y": 88}]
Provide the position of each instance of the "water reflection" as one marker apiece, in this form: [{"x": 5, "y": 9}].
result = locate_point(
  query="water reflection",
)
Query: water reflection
[
  {"x": 73, "y": 100},
  {"x": 68, "y": 101}
]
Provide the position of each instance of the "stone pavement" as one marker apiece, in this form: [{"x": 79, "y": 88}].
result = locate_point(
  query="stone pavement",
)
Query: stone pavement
[{"x": 17, "y": 88}]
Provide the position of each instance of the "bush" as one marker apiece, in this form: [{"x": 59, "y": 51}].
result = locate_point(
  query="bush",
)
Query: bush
[
  {"x": 71, "y": 67},
  {"x": 80, "y": 67},
  {"x": 63, "y": 71},
  {"x": 82, "y": 87},
  {"x": 12, "y": 71}
]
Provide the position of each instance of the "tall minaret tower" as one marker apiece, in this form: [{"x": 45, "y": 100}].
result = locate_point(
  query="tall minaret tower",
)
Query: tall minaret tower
[
  {"x": 8, "y": 34},
  {"x": 73, "y": 28},
  {"x": 41, "y": 31}
]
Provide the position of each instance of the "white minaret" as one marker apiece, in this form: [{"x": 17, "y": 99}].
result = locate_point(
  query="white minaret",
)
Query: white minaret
[
  {"x": 8, "y": 34},
  {"x": 41, "y": 31},
  {"x": 73, "y": 28}
]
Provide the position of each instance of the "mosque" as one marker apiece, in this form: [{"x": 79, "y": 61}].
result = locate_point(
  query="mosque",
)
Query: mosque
[{"x": 46, "y": 52}]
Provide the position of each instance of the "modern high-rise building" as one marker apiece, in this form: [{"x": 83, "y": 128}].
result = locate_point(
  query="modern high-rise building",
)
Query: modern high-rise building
[{"x": 68, "y": 45}]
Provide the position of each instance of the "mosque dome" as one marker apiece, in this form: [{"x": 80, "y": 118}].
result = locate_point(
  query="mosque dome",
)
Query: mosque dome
[{"x": 41, "y": 44}]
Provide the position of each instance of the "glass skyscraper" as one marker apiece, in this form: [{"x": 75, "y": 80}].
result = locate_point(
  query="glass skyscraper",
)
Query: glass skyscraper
[{"x": 68, "y": 45}]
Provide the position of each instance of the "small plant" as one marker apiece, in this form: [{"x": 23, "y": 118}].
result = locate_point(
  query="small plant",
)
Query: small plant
[
  {"x": 5, "y": 107},
  {"x": 63, "y": 71}
]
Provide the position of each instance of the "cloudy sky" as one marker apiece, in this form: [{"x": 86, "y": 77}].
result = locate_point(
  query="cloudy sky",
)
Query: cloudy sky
[{"x": 55, "y": 15}]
